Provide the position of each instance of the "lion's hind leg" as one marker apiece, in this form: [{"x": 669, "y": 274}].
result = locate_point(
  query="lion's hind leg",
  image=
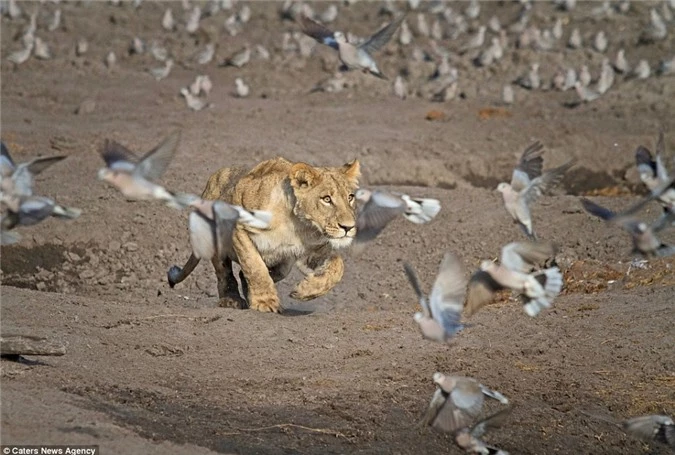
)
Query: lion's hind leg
[{"x": 228, "y": 289}]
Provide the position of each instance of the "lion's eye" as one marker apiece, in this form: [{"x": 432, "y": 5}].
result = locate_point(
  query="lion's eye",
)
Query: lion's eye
[{"x": 327, "y": 199}]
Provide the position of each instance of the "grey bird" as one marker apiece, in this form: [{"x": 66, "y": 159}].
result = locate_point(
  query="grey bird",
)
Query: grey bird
[
  {"x": 194, "y": 102},
  {"x": 353, "y": 57},
  {"x": 163, "y": 71},
  {"x": 456, "y": 402},
  {"x": 600, "y": 42},
  {"x": 442, "y": 310},
  {"x": 655, "y": 31},
  {"x": 666, "y": 67},
  {"x": 606, "y": 79},
  {"x": 654, "y": 427},
  {"x": 574, "y": 41},
  {"x": 133, "y": 176},
  {"x": 531, "y": 79},
  {"x": 34, "y": 209},
  {"x": 642, "y": 70},
  {"x": 377, "y": 208},
  {"x": 620, "y": 63},
  {"x": 469, "y": 438},
  {"x": 239, "y": 58},
  {"x": 537, "y": 289},
  {"x": 644, "y": 239},
  {"x": 528, "y": 184},
  {"x": 585, "y": 93}
]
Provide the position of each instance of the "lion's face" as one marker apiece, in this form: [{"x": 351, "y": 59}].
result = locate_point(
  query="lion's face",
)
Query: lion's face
[{"x": 325, "y": 198}]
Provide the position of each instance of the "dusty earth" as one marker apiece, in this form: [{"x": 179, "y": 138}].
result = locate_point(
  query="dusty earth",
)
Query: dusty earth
[{"x": 149, "y": 369}]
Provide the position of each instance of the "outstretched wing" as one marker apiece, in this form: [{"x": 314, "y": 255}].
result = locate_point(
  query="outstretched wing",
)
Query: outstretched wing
[
  {"x": 153, "y": 164},
  {"x": 382, "y": 37},
  {"x": 379, "y": 211},
  {"x": 114, "y": 152},
  {"x": 319, "y": 32},
  {"x": 446, "y": 300},
  {"x": 522, "y": 256},
  {"x": 7, "y": 165},
  {"x": 495, "y": 420},
  {"x": 529, "y": 166},
  {"x": 417, "y": 287},
  {"x": 545, "y": 182},
  {"x": 482, "y": 287}
]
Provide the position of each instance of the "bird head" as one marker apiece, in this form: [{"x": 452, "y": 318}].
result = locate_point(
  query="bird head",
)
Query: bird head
[
  {"x": 502, "y": 187},
  {"x": 438, "y": 377},
  {"x": 340, "y": 37},
  {"x": 418, "y": 317},
  {"x": 486, "y": 265}
]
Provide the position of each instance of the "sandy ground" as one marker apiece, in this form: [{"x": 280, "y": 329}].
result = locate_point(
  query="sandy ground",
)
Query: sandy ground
[{"x": 149, "y": 369}]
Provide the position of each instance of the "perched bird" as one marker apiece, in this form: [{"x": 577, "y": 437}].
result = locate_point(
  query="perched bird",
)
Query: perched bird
[
  {"x": 456, "y": 402},
  {"x": 329, "y": 14},
  {"x": 192, "y": 23},
  {"x": 666, "y": 67},
  {"x": 442, "y": 310},
  {"x": 469, "y": 438},
  {"x": 377, "y": 208},
  {"x": 574, "y": 41},
  {"x": 193, "y": 102},
  {"x": 472, "y": 10},
  {"x": 645, "y": 241},
  {"x": 406, "y": 36},
  {"x": 168, "y": 23},
  {"x": 201, "y": 85},
  {"x": 163, "y": 71},
  {"x": 475, "y": 41},
  {"x": 110, "y": 60},
  {"x": 528, "y": 184},
  {"x": 56, "y": 21},
  {"x": 606, "y": 79},
  {"x": 531, "y": 80},
  {"x": 158, "y": 51},
  {"x": 137, "y": 46},
  {"x": 620, "y": 63},
  {"x": 655, "y": 31},
  {"x": 206, "y": 55},
  {"x": 655, "y": 427},
  {"x": 352, "y": 56},
  {"x": 239, "y": 58},
  {"x": 400, "y": 88},
  {"x": 537, "y": 289},
  {"x": 586, "y": 95},
  {"x": 422, "y": 25},
  {"x": 241, "y": 89},
  {"x": 657, "y": 173},
  {"x": 600, "y": 42},
  {"x": 333, "y": 84},
  {"x": 584, "y": 76},
  {"x": 642, "y": 70},
  {"x": 23, "y": 55},
  {"x": 81, "y": 47},
  {"x": 134, "y": 176},
  {"x": 507, "y": 95}
]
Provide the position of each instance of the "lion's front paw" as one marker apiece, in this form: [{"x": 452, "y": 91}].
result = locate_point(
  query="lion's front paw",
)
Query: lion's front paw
[
  {"x": 266, "y": 303},
  {"x": 232, "y": 301},
  {"x": 307, "y": 289}
]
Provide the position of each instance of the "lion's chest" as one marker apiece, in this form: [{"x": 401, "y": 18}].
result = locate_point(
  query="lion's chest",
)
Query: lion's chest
[{"x": 280, "y": 244}]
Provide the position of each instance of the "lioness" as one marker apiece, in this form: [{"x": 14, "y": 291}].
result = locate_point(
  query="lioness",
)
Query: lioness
[{"x": 313, "y": 217}]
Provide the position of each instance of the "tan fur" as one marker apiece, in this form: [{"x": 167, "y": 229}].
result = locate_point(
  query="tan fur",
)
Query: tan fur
[{"x": 307, "y": 228}]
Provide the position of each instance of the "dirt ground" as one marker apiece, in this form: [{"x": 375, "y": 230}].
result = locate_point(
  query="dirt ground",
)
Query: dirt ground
[{"x": 150, "y": 369}]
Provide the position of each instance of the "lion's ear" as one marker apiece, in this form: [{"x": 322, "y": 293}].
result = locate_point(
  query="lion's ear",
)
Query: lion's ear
[
  {"x": 352, "y": 170},
  {"x": 303, "y": 175}
]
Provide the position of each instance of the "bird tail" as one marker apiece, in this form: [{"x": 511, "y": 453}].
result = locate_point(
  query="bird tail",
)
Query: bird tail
[
  {"x": 420, "y": 210},
  {"x": 494, "y": 394},
  {"x": 551, "y": 280},
  {"x": 66, "y": 212},
  {"x": 260, "y": 219}
]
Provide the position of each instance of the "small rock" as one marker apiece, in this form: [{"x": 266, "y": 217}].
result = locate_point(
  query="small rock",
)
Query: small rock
[
  {"x": 130, "y": 246},
  {"x": 114, "y": 245},
  {"x": 86, "y": 274}
]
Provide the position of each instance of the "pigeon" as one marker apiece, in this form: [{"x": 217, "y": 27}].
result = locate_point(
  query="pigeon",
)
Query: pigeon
[
  {"x": 475, "y": 41},
  {"x": 205, "y": 56},
  {"x": 192, "y": 23},
  {"x": 469, "y": 438},
  {"x": 329, "y": 15},
  {"x": 133, "y": 176},
  {"x": 333, "y": 84},
  {"x": 655, "y": 174},
  {"x": 239, "y": 58},
  {"x": 436, "y": 31},
  {"x": 81, "y": 47},
  {"x": 666, "y": 66},
  {"x": 56, "y": 21},
  {"x": 472, "y": 10},
  {"x": 456, "y": 402},
  {"x": 584, "y": 76},
  {"x": 162, "y": 72},
  {"x": 642, "y": 70},
  {"x": 606, "y": 79},
  {"x": 406, "y": 36},
  {"x": 557, "y": 30},
  {"x": 620, "y": 63},
  {"x": 400, "y": 88},
  {"x": 654, "y": 427},
  {"x": 537, "y": 289},
  {"x": 193, "y": 102},
  {"x": 23, "y": 55},
  {"x": 645, "y": 241},
  {"x": 158, "y": 52},
  {"x": 507, "y": 95},
  {"x": 137, "y": 46},
  {"x": 241, "y": 89},
  {"x": 263, "y": 53},
  {"x": 655, "y": 31},
  {"x": 358, "y": 57},
  {"x": 378, "y": 208},
  {"x": 586, "y": 95},
  {"x": 442, "y": 310},
  {"x": 110, "y": 60},
  {"x": 201, "y": 85},
  {"x": 168, "y": 23},
  {"x": 34, "y": 209},
  {"x": 244, "y": 14},
  {"x": 600, "y": 42},
  {"x": 527, "y": 184},
  {"x": 531, "y": 80},
  {"x": 212, "y": 224},
  {"x": 574, "y": 41},
  {"x": 422, "y": 25}
]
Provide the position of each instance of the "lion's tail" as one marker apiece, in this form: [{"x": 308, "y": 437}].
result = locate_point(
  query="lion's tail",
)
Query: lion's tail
[{"x": 176, "y": 274}]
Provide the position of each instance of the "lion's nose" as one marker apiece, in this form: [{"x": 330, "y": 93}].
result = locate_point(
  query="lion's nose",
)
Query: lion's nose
[{"x": 346, "y": 228}]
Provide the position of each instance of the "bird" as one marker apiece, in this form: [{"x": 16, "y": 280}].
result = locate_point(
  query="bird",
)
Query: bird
[
  {"x": 110, "y": 60},
  {"x": 333, "y": 84},
  {"x": 643, "y": 235},
  {"x": 400, "y": 88},
  {"x": 441, "y": 312},
  {"x": 239, "y": 58},
  {"x": 528, "y": 184},
  {"x": 81, "y": 47},
  {"x": 353, "y": 57},
  {"x": 456, "y": 402},
  {"x": 507, "y": 94},
  {"x": 34, "y": 209},
  {"x": 654, "y": 427},
  {"x": 377, "y": 208},
  {"x": 134, "y": 176},
  {"x": 163, "y": 71},
  {"x": 206, "y": 55},
  {"x": 56, "y": 21},
  {"x": 666, "y": 66},
  {"x": 585, "y": 94},
  {"x": 193, "y": 102},
  {"x": 606, "y": 79},
  {"x": 642, "y": 70},
  {"x": 656, "y": 174},
  {"x": 655, "y": 31},
  {"x": 574, "y": 41},
  {"x": 537, "y": 289},
  {"x": 137, "y": 46},
  {"x": 192, "y": 23},
  {"x": 584, "y": 76},
  {"x": 201, "y": 85},
  {"x": 168, "y": 23},
  {"x": 620, "y": 63},
  {"x": 241, "y": 89},
  {"x": 600, "y": 42},
  {"x": 406, "y": 36},
  {"x": 23, "y": 55},
  {"x": 469, "y": 438},
  {"x": 329, "y": 14},
  {"x": 531, "y": 80}
]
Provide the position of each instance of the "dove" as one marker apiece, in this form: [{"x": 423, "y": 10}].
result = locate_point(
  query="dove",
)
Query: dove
[
  {"x": 422, "y": 25},
  {"x": 527, "y": 184},
  {"x": 655, "y": 31},
  {"x": 558, "y": 80},
  {"x": 442, "y": 310},
  {"x": 475, "y": 41},
  {"x": 600, "y": 42},
  {"x": 655, "y": 173},
  {"x": 620, "y": 63},
  {"x": 212, "y": 223},
  {"x": 329, "y": 15},
  {"x": 642, "y": 70},
  {"x": 110, "y": 59},
  {"x": 239, "y": 58},
  {"x": 644, "y": 239},
  {"x": 244, "y": 14},
  {"x": 201, "y": 85},
  {"x": 472, "y": 10},
  {"x": 56, "y": 21},
  {"x": 162, "y": 72},
  {"x": 333, "y": 84},
  {"x": 133, "y": 176},
  {"x": 654, "y": 427},
  {"x": 507, "y": 95},
  {"x": 205, "y": 56},
  {"x": 241, "y": 89},
  {"x": 41, "y": 50},
  {"x": 158, "y": 52},
  {"x": 377, "y": 208},
  {"x": 34, "y": 209},
  {"x": 603, "y": 10},
  {"x": 456, "y": 402},
  {"x": 400, "y": 88},
  {"x": 436, "y": 31},
  {"x": 23, "y": 55},
  {"x": 192, "y": 23},
  {"x": 353, "y": 57},
  {"x": 81, "y": 47},
  {"x": 606, "y": 79},
  {"x": 570, "y": 79},
  {"x": 494, "y": 25},
  {"x": 193, "y": 102},
  {"x": 168, "y": 23},
  {"x": 666, "y": 66},
  {"x": 586, "y": 95},
  {"x": 557, "y": 30},
  {"x": 584, "y": 76},
  {"x": 469, "y": 438},
  {"x": 232, "y": 25},
  {"x": 13, "y": 10},
  {"x": 137, "y": 46},
  {"x": 263, "y": 53},
  {"x": 574, "y": 41},
  {"x": 531, "y": 80},
  {"x": 666, "y": 14},
  {"x": 406, "y": 36},
  {"x": 537, "y": 289}
]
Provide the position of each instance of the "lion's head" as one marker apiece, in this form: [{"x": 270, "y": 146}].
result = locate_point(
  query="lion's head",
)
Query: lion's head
[{"x": 324, "y": 196}]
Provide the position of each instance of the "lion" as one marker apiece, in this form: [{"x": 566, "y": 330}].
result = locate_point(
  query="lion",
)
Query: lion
[{"x": 313, "y": 218}]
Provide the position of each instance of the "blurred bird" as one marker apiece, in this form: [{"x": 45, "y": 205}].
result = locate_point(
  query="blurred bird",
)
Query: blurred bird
[
  {"x": 193, "y": 102},
  {"x": 162, "y": 72},
  {"x": 81, "y": 47},
  {"x": 334, "y": 84},
  {"x": 205, "y": 56},
  {"x": 469, "y": 438},
  {"x": 655, "y": 31},
  {"x": 584, "y": 76},
  {"x": 192, "y": 23},
  {"x": 239, "y": 58},
  {"x": 507, "y": 95},
  {"x": 34, "y": 209},
  {"x": 531, "y": 80},
  {"x": 642, "y": 70},
  {"x": 494, "y": 25},
  {"x": 244, "y": 14},
  {"x": 23, "y": 55},
  {"x": 353, "y": 56},
  {"x": 557, "y": 30},
  {"x": 606, "y": 79},
  {"x": 666, "y": 67},
  {"x": 400, "y": 88},
  {"x": 56, "y": 21},
  {"x": 329, "y": 14},
  {"x": 406, "y": 36},
  {"x": 620, "y": 63},
  {"x": 574, "y": 41},
  {"x": 585, "y": 94},
  {"x": 168, "y": 23},
  {"x": 241, "y": 89},
  {"x": 600, "y": 42},
  {"x": 537, "y": 289},
  {"x": 41, "y": 50},
  {"x": 134, "y": 176},
  {"x": 472, "y": 10},
  {"x": 201, "y": 85},
  {"x": 422, "y": 25},
  {"x": 528, "y": 184},
  {"x": 442, "y": 310},
  {"x": 158, "y": 52},
  {"x": 262, "y": 52},
  {"x": 110, "y": 60},
  {"x": 475, "y": 41},
  {"x": 658, "y": 428},
  {"x": 137, "y": 46}
]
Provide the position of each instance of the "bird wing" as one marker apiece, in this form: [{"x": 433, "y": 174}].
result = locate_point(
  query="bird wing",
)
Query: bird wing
[
  {"x": 495, "y": 420},
  {"x": 463, "y": 404},
  {"x": 153, "y": 164},
  {"x": 545, "y": 182},
  {"x": 114, "y": 152},
  {"x": 379, "y": 211},
  {"x": 482, "y": 288},
  {"x": 435, "y": 405},
  {"x": 382, "y": 37},
  {"x": 226, "y": 219},
  {"x": 645, "y": 427},
  {"x": 40, "y": 164},
  {"x": 319, "y": 32},
  {"x": 661, "y": 159},
  {"x": 529, "y": 166},
  {"x": 522, "y": 256},
  {"x": 7, "y": 165},
  {"x": 623, "y": 219},
  {"x": 446, "y": 300},
  {"x": 597, "y": 210},
  {"x": 417, "y": 287},
  {"x": 644, "y": 158}
]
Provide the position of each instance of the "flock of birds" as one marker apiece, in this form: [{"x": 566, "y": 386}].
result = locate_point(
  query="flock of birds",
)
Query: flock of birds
[{"x": 527, "y": 268}]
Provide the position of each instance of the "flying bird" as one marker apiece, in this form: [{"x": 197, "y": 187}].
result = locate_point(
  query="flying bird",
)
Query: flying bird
[
  {"x": 442, "y": 310},
  {"x": 353, "y": 57},
  {"x": 469, "y": 438},
  {"x": 34, "y": 209},
  {"x": 537, "y": 289},
  {"x": 654, "y": 427}
]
